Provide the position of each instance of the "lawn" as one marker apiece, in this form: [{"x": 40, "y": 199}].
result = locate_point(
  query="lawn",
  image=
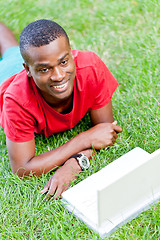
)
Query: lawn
[{"x": 126, "y": 35}]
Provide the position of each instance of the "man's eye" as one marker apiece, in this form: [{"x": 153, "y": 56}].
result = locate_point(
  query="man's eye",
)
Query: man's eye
[
  {"x": 64, "y": 62},
  {"x": 43, "y": 70}
]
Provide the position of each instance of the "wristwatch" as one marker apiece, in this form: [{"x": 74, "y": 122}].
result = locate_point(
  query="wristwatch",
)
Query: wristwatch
[{"x": 82, "y": 160}]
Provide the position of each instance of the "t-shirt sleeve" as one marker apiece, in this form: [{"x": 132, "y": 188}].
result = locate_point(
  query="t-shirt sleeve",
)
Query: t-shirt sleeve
[
  {"x": 17, "y": 122},
  {"x": 105, "y": 84}
]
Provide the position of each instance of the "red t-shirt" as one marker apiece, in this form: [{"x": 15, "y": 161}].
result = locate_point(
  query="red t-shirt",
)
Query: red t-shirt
[{"x": 23, "y": 111}]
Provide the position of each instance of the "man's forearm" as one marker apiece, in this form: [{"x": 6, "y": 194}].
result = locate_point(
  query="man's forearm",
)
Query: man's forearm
[{"x": 52, "y": 159}]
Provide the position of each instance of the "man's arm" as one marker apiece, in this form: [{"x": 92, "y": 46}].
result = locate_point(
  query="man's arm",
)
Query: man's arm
[
  {"x": 102, "y": 115},
  {"x": 23, "y": 160},
  {"x": 22, "y": 155}
]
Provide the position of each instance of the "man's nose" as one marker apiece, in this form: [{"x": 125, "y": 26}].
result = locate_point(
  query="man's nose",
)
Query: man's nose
[{"x": 58, "y": 74}]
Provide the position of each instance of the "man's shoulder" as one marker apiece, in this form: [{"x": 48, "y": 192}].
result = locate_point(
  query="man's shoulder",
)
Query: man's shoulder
[
  {"x": 85, "y": 59},
  {"x": 17, "y": 88}
]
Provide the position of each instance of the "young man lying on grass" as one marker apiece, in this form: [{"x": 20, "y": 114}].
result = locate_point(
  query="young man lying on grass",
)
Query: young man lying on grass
[{"x": 53, "y": 92}]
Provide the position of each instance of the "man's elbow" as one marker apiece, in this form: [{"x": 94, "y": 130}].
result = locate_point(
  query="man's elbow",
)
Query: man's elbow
[{"x": 20, "y": 171}]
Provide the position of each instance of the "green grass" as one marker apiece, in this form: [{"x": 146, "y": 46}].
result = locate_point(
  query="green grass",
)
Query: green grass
[{"x": 125, "y": 34}]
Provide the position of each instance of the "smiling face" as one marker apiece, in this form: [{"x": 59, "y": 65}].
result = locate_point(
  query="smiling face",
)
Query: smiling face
[{"x": 53, "y": 70}]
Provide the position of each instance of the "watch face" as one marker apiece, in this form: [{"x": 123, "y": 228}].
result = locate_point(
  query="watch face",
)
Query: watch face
[{"x": 84, "y": 162}]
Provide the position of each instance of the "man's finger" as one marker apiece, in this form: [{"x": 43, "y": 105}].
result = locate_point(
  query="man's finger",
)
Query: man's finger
[
  {"x": 115, "y": 134},
  {"x": 114, "y": 123},
  {"x": 52, "y": 189},
  {"x": 45, "y": 189},
  {"x": 58, "y": 193},
  {"x": 117, "y": 128}
]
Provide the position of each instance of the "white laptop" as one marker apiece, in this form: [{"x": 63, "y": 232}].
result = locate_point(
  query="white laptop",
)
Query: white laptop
[{"x": 117, "y": 193}]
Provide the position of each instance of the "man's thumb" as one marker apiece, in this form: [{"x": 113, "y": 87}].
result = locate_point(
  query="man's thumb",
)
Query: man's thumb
[{"x": 114, "y": 123}]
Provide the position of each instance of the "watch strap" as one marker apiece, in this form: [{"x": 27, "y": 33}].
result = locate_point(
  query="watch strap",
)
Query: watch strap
[{"x": 78, "y": 157}]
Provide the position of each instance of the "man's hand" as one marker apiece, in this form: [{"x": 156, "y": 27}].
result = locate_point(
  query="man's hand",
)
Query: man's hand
[
  {"x": 61, "y": 179},
  {"x": 103, "y": 134}
]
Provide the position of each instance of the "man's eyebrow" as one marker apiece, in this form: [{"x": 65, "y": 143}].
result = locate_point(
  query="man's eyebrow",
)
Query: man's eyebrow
[
  {"x": 60, "y": 60},
  {"x": 42, "y": 65},
  {"x": 47, "y": 65}
]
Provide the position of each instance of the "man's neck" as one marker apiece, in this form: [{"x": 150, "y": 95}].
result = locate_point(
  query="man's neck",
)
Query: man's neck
[{"x": 63, "y": 107}]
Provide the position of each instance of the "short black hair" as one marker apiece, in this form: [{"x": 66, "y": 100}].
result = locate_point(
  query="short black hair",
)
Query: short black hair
[{"x": 40, "y": 33}]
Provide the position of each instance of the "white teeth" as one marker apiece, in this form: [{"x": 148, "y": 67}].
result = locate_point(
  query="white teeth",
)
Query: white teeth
[{"x": 60, "y": 86}]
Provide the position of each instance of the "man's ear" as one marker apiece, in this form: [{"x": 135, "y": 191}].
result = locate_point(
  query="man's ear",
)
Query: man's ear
[
  {"x": 27, "y": 69},
  {"x": 71, "y": 53}
]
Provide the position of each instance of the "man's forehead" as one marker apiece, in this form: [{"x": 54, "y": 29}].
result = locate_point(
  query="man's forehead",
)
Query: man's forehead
[{"x": 56, "y": 50}]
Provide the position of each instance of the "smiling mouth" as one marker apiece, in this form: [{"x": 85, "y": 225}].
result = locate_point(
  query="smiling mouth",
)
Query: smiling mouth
[{"x": 60, "y": 86}]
